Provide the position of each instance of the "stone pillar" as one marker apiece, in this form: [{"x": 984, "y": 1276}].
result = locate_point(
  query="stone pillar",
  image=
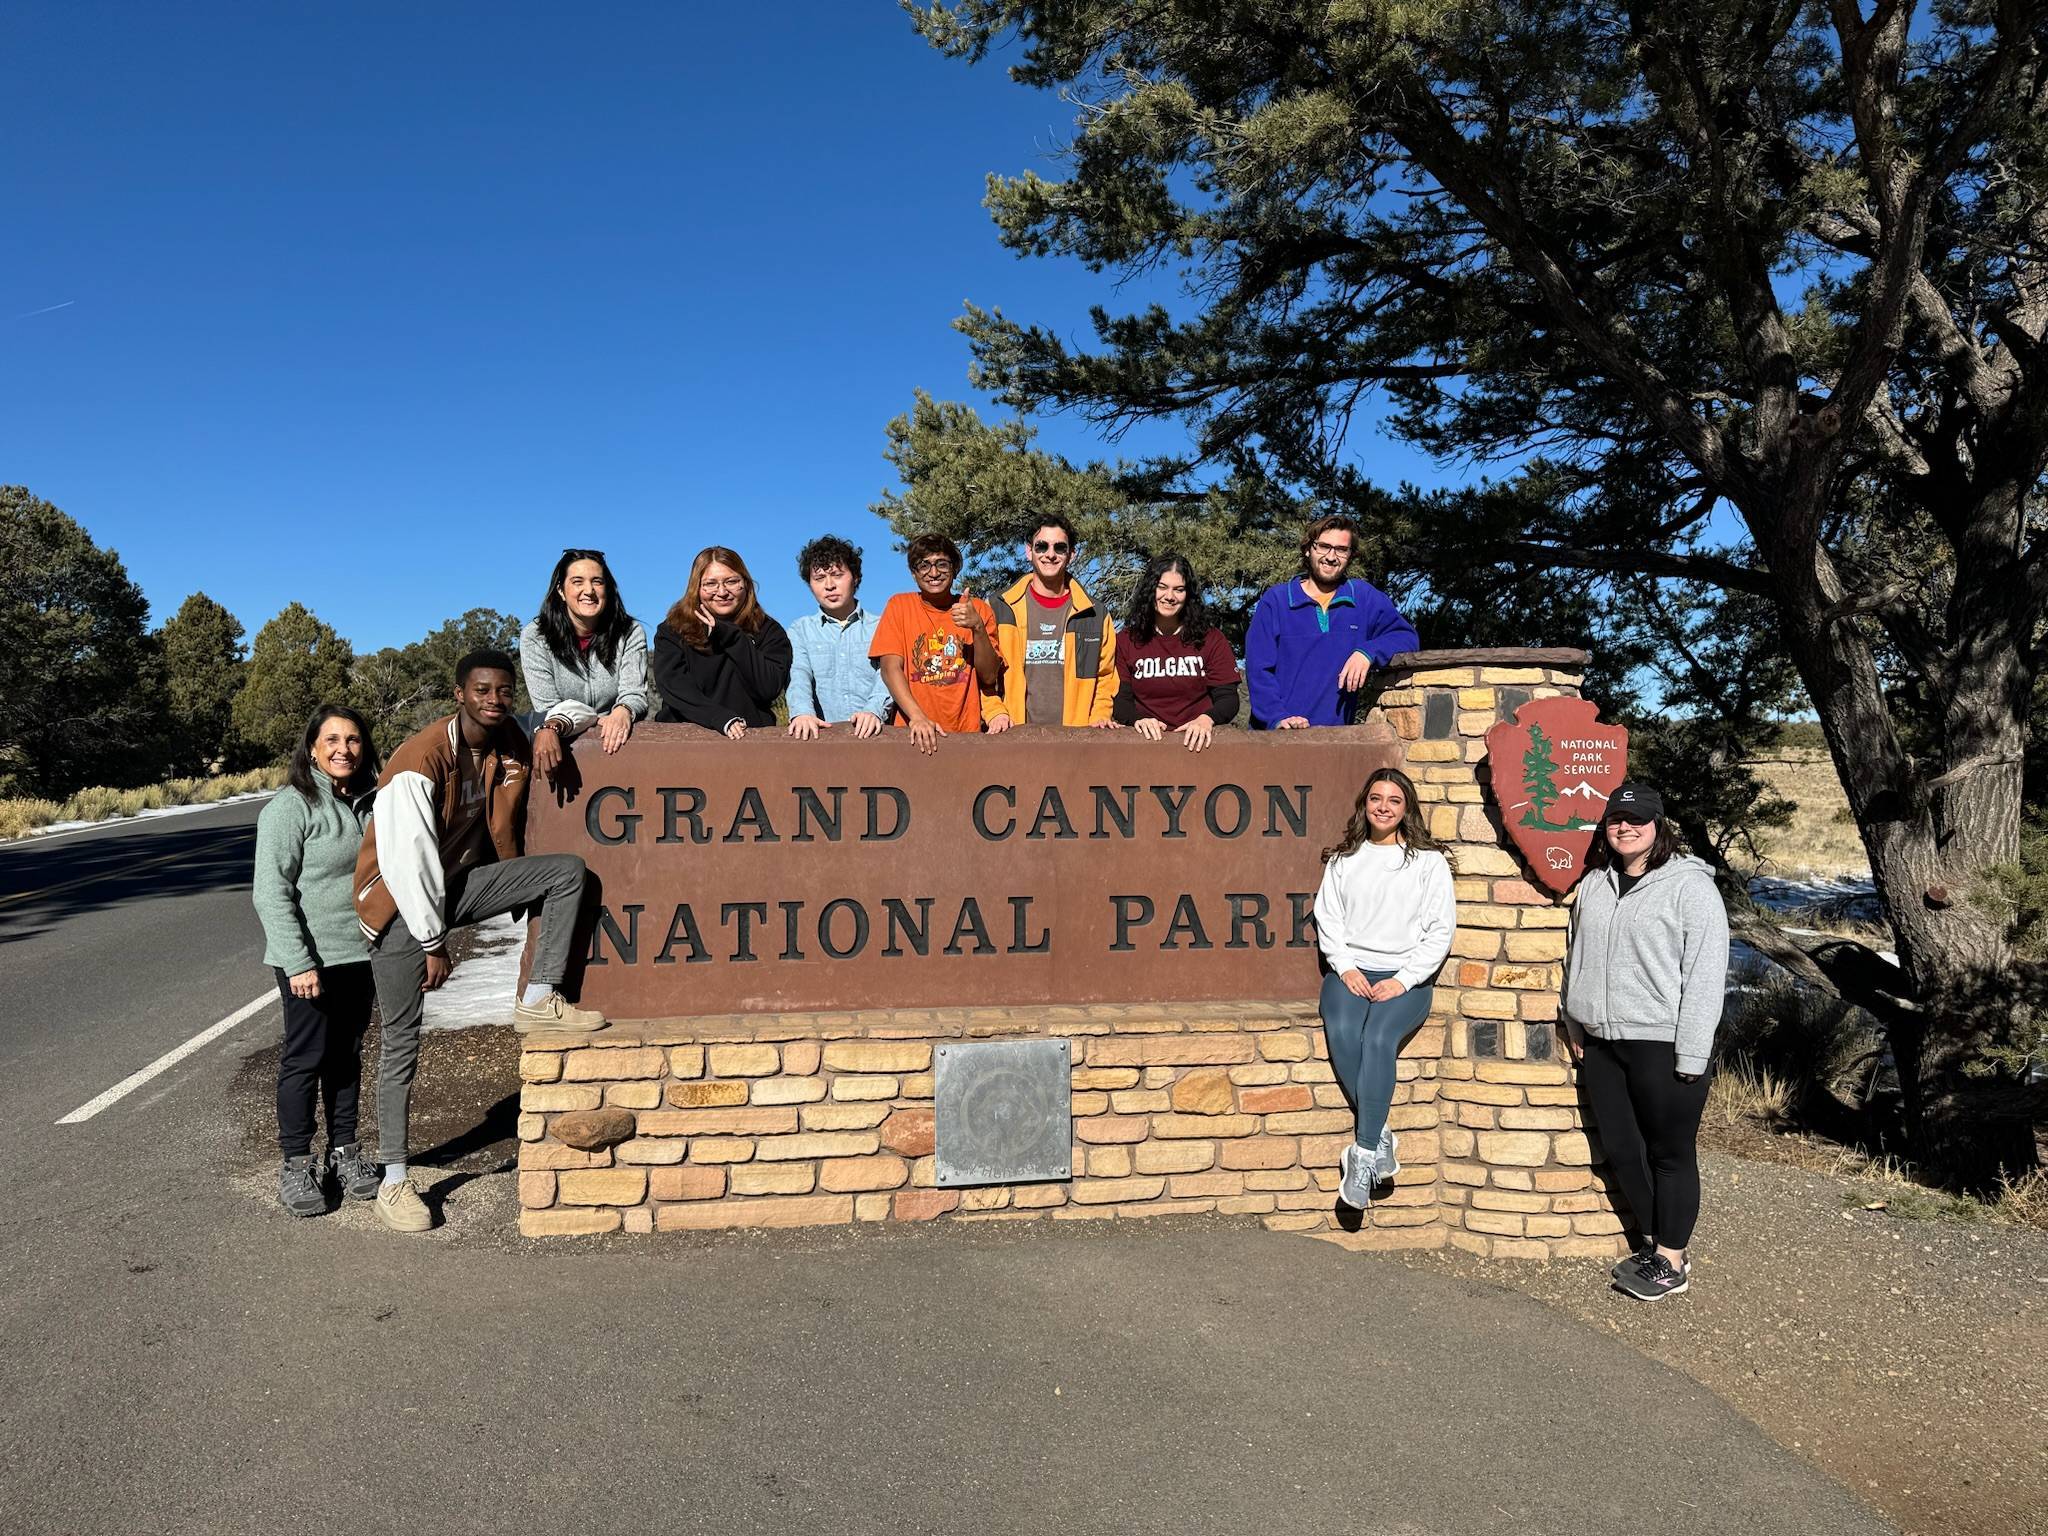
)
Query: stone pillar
[{"x": 1517, "y": 1175}]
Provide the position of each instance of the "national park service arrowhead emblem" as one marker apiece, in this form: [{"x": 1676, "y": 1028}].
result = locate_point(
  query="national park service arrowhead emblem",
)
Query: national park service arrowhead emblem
[{"x": 1553, "y": 769}]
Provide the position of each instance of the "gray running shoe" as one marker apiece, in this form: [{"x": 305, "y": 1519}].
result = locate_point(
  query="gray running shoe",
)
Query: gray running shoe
[
  {"x": 298, "y": 1187},
  {"x": 1354, "y": 1186},
  {"x": 355, "y": 1173},
  {"x": 1655, "y": 1278},
  {"x": 1631, "y": 1261},
  {"x": 1386, "y": 1164}
]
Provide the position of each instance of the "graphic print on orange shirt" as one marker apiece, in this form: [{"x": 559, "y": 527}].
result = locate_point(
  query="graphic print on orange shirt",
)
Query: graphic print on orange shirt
[{"x": 937, "y": 659}]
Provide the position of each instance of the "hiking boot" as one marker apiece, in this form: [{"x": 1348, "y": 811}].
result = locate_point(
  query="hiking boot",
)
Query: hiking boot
[
  {"x": 1385, "y": 1163},
  {"x": 1631, "y": 1261},
  {"x": 1655, "y": 1278},
  {"x": 554, "y": 1012},
  {"x": 298, "y": 1187},
  {"x": 358, "y": 1177},
  {"x": 401, "y": 1209},
  {"x": 1354, "y": 1186}
]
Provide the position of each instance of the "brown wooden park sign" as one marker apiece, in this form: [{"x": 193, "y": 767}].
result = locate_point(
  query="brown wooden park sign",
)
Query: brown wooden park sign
[
  {"x": 1038, "y": 866},
  {"x": 1552, "y": 770}
]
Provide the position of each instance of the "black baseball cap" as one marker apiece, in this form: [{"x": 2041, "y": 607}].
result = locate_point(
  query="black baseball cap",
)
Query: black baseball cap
[{"x": 1634, "y": 801}]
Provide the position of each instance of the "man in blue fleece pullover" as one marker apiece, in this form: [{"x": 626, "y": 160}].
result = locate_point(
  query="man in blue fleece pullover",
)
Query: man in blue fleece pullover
[{"x": 1314, "y": 640}]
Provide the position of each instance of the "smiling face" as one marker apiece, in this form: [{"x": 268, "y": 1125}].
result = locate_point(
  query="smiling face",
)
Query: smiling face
[
  {"x": 1051, "y": 553},
  {"x": 1385, "y": 805},
  {"x": 584, "y": 591},
  {"x": 1330, "y": 556},
  {"x": 338, "y": 748},
  {"x": 1170, "y": 598},
  {"x": 833, "y": 586},
  {"x": 486, "y": 696},
  {"x": 934, "y": 575},
  {"x": 723, "y": 590},
  {"x": 1630, "y": 840}
]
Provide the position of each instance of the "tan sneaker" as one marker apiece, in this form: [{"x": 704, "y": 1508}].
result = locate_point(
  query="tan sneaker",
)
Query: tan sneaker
[
  {"x": 554, "y": 1012},
  {"x": 402, "y": 1209}
]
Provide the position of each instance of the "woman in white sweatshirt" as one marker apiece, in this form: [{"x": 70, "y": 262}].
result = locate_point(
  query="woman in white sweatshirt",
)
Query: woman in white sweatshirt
[{"x": 1384, "y": 917}]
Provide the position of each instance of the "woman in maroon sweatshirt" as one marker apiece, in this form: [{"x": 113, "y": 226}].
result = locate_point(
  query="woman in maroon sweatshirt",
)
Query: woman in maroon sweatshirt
[{"x": 1176, "y": 671}]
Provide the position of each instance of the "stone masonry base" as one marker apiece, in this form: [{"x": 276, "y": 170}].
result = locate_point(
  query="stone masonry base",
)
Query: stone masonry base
[{"x": 1223, "y": 1108}]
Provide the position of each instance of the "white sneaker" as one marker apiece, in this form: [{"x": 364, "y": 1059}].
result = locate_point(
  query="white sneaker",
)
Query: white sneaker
[
  {"x": 1354, "y": 1187},
  {"x": 402, "y": 1209},
  {"x": 1385, "y": 1163}
]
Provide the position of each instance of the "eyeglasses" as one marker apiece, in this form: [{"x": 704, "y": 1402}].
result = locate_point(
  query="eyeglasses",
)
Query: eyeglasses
[
  {"x": 937, "y": 565},
  {"x": 1050, "y": 547},
  {"x": 585, "y": 554},
  {"x": 1331, "y": 549},
  {"x": 724, "y": 584}
]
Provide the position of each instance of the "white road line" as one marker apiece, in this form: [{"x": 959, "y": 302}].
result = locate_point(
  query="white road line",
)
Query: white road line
[{"x": 169, "y": 1059}]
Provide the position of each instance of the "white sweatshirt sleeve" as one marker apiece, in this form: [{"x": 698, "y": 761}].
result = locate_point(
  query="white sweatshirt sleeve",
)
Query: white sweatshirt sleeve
[
  {"x": 1330, "y": 919},
  {"x": 1437, "y": 910},
  {"x": 407, "y": 829}
]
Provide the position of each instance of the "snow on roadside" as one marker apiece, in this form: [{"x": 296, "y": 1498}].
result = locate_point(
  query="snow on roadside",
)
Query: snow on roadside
[{"x": 57, "y": 828}]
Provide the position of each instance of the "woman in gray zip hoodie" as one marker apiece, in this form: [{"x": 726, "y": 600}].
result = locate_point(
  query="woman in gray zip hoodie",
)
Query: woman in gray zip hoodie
[{"x": 1643, "y": 984}]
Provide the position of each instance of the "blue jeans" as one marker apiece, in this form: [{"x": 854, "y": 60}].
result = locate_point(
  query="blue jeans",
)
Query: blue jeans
[{"x": 1364, "y": 1038}]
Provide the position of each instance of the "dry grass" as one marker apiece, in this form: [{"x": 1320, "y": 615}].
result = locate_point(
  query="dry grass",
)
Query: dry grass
[
  {"x": 1822, "y": 838},
  {"x": 20, "y": 817},
  {"x": 1891, "y": 1185},
  {"x": 1741, "y": 1092}
]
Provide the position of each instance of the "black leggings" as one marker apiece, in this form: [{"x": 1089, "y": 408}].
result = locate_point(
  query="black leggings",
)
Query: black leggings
[
  {"x": 1649, "y": 1122},
  {"x": 323, "y": 1056}
]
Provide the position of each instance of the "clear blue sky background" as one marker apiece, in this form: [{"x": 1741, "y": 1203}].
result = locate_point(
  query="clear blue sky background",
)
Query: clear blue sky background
[{"x": 378, "y": 305}]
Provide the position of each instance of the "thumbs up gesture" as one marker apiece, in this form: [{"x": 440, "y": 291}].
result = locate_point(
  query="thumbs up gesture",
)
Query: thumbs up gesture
[{"x": 965, "y": 614}]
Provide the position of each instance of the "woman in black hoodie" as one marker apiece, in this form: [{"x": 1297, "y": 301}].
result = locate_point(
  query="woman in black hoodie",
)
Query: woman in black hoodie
[{"x": 719, "y": 661}]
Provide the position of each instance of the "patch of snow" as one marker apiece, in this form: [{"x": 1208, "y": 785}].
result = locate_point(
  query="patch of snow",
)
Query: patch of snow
[
  {"x": 485, "y": 983},
  {"x": 1853, "y": 897}
]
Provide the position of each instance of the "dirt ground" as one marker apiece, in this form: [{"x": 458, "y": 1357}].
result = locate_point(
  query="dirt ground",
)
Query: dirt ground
[{"x": 1906, "y": 1358}]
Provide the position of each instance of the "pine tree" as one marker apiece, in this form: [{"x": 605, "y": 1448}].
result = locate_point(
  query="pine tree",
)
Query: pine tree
[
  {"x": 203, "y": 668},
  {"x": 296, "y": 665},
  {"x": 1539, "y": 779}
]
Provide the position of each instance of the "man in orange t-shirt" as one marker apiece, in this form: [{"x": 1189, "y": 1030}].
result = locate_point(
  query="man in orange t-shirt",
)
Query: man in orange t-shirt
[{"x": 936, "y": 649}]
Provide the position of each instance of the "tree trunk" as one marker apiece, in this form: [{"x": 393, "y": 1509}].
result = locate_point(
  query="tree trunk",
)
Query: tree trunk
[{"x": 1930, "y": 837}]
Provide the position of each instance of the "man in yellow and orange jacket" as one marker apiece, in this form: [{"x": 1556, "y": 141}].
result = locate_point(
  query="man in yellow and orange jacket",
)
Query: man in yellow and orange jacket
[{"x": 1058, "y": 648}]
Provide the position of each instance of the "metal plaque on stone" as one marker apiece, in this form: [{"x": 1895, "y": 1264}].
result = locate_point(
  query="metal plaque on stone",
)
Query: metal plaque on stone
[{"x": 1004, "y": 1111}]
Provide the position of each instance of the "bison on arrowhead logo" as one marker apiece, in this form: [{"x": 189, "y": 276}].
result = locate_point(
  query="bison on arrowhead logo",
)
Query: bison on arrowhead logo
[{"x": 1553, "y": 769}]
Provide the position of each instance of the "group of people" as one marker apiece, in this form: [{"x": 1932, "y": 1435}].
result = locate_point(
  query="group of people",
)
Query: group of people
[
  {"x": 358, "y": 906},
  {"x": 939, "y": 661}
]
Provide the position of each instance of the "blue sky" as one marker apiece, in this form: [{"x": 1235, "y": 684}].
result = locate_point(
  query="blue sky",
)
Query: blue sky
[{"x": 377, "y": 306}]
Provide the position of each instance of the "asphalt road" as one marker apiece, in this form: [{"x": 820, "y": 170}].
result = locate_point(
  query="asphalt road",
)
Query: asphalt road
[{"x": 176, "y": 1355}]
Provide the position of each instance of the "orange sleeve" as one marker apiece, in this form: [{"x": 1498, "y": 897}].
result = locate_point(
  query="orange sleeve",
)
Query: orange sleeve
[{"x": 889, "y": 637}]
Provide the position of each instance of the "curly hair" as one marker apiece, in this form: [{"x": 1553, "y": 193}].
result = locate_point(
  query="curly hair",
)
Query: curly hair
[
  {"x": 823, "y": 553},
  {"x": 682, "y": 619}
]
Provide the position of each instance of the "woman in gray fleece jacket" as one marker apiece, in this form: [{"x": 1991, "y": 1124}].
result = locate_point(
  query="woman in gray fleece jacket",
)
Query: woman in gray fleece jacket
[
  {"x": 1643, "y": 984},
  {"x": 304, "y": 890}
]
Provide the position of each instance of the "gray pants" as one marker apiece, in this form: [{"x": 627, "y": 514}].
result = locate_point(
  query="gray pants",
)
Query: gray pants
[{"x": 551, "y": 882}]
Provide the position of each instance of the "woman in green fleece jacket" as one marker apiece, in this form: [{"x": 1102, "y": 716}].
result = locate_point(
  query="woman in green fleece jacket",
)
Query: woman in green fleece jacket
[{"x": 306, "y": 844}]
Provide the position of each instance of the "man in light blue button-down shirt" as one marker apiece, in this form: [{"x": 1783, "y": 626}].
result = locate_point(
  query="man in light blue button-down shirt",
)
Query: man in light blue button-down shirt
[{"x": 832, "y": 680}]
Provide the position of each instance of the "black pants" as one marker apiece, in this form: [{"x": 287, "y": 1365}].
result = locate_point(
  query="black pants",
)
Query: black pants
[
  {"x": 323, "y": 1056},
  {"x": 1649, "y": 1122}
]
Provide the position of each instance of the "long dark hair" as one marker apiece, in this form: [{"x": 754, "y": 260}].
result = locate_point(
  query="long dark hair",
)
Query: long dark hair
[
  {"x": 1413, "y": 832},
  {"x": 300, "y": 774},
  {"x": 1599, "y": 856},
  {"x": 1142, "y": 620},
  {"x": 559, "y": 631},
  {"x": 683, "y": 620}
]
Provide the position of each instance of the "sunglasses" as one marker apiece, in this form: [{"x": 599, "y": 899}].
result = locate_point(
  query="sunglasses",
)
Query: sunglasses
[
  {"x": 1050, "y": 547},
  {"x": 585, "y": 554}
]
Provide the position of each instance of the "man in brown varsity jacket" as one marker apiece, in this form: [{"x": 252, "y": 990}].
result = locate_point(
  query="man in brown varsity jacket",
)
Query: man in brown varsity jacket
[{"x": 442, "y": 851}]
